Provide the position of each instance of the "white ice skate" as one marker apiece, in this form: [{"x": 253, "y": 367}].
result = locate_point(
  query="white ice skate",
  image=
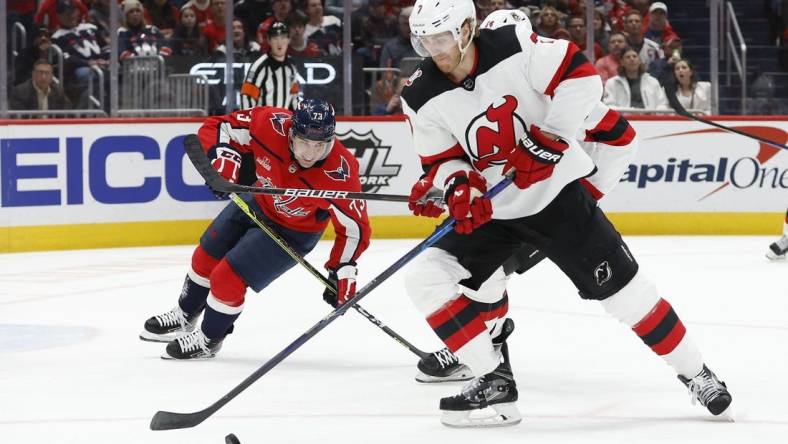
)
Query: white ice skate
[{"x": 778, "y": 250}]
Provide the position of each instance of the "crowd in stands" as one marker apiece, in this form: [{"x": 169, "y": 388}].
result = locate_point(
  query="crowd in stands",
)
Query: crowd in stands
[{"x": 637, "y": 52}]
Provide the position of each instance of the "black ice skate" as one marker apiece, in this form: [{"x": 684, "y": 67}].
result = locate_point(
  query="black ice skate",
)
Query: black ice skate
[
  {"x": 166, "y": 327},
  {"x": 778, "y": 250},
  {"x": 194, "y": 345},
  {"x": 496, "y": 390},
  {"x": 709, "y": 391},
  {"x": 443, "y": 365}
]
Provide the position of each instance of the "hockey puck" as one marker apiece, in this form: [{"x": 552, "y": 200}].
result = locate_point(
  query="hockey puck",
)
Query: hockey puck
[{"x": 231, "y": 439}]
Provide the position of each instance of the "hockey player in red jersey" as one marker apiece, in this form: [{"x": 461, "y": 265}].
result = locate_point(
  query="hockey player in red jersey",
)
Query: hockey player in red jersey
[
  {"x": 486, "y": 102},
  {"x": 290, "y": 150}
]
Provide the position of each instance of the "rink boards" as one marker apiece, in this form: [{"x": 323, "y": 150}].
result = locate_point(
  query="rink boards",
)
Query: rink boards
[{"x": 101, "y": 183}]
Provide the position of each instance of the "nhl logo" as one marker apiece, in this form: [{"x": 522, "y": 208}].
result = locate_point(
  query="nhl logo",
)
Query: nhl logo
[
  {"x": 292, "y": 168},
  {"x": 602, "y": 273},
  {"x": 372, "y": 156},
  {"x": 468, "y": 83}
]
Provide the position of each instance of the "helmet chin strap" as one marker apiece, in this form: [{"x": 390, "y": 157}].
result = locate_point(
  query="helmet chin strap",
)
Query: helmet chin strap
[{"x": 462, "y": 49}]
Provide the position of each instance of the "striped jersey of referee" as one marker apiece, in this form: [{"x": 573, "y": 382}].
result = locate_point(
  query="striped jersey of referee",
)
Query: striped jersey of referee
[{"x": 270, "y": 82}]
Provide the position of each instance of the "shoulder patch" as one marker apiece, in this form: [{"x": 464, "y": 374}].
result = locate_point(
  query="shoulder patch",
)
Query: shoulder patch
[
  {"x": 431, "y": 83},
  {"x": 340, "y": 174}
]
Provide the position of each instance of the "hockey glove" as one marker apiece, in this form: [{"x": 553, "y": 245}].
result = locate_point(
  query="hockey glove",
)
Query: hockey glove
[
  {"x": 343, "y": 281},
  {"x": 466, "y": 205},
  {"x": 534, "y": 157},
  {"x": 228, "y": 163},
  {"x": 421, "y": 201}
]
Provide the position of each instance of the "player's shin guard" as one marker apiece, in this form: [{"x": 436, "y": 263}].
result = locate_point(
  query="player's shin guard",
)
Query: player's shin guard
[
  {"x": 656, "y": 323},
  {"x": 462, "y": 329},
  {"x": 197, "y": 283}
]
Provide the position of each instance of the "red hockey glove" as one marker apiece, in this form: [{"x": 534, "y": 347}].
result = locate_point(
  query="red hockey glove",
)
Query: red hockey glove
[
  {"x": 421, "y": 201},
  {"x": 466, "y": 205},
  {"x": 595, "y": 193},
  {"x": 344, "y": 282},
  {"x": 534, "y": 157},
  {"x": 227, "y": 163}
]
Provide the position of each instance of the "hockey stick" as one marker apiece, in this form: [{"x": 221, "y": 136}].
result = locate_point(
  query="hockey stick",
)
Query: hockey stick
[
  {"x": 679, "y": 108},
  {"x": 170, "y": 420},
  {"x": 300, "y": 259},
  {"x": 201, "y": 162}
]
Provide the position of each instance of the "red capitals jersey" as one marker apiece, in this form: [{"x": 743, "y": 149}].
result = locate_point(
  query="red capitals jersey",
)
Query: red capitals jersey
[{"x": 263, "y": 131}]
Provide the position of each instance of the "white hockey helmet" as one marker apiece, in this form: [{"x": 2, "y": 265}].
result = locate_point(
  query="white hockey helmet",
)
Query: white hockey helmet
[
  {"x": 503, "y": 17},
  {"x": 436, "y": 24}
]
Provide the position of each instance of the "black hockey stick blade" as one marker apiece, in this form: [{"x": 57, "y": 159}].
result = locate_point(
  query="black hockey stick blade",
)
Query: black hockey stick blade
[
  {"x": 231, "y": 439},
  {"x": 202, "y": 164},
  {"x": 170, "y": 420}
]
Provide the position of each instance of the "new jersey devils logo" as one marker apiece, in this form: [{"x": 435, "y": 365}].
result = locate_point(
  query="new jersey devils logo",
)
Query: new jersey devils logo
[{"x": 487, "y": 144}]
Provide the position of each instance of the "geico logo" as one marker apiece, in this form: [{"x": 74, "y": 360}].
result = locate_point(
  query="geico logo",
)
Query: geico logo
[
  {"x": 317, "y": 73},
  {"x": 745, "y": 172},
  {"x": 107, "y": 167}
]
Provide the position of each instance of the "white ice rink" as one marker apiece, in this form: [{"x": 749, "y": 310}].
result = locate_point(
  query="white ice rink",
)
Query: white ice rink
[{"x": 73, "y": 371}]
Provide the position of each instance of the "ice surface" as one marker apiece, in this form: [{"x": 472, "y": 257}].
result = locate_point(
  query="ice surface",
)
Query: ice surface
[{"x": 73, "y": 371}]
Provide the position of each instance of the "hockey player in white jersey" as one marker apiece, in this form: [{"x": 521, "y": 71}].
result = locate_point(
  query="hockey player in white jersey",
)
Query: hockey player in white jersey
[{"x": 482, "y": 104}]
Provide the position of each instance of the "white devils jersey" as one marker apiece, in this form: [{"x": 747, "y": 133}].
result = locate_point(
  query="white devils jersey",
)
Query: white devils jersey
[{"x": 518, "y": 80}]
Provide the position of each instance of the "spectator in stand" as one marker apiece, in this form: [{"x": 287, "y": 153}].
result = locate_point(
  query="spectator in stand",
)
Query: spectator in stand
[
  {"x": 398, "y": 47},
  {"x": 549, "y": 25},
  {"x": 83, "y": 49},
  {"x": 300, "y": 46},
  {"x": 577, "y": 34},
  {"x": 691, "y": 93},
  {"x": 633, "y": 87},
  {"x": 187, "y": 40},
  {"x": 640, "y": 6},
  {"x": 135, "y": 38},
  {"x": 202, "y": 9},
  {"x": 371, "y": 31},
  {"x": 662, "y": 69},
  {"x": 99, "y": 16},
  {"x": 281, "y": 12},
  {"x": 40, "y": 49},
  {"x": 656, "y": 23},
  {"x": 601, "y": 30},
  {"x": 253, "y": 12},
  {"x": 163, "y": 15},
  {"x": 272, "y": 79},
  {"x": 21, "y": 11},
  {"x": 607, "y": 66},
  {"x": 325, "y": 30},
  {"x": 213, "y": 29},
  {"x": 48, "y": 9},
  {"x": 647, "y": 49},
  {"x": 40, "y": 92},
  {"x": 244, "y": 49},
  {"x": 614, "y": 11}
]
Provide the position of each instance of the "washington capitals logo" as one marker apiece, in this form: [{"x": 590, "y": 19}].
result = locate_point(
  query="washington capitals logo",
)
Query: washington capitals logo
[
  {"x": 340, "y": 174},
  {"x": 278, "y": 122}
]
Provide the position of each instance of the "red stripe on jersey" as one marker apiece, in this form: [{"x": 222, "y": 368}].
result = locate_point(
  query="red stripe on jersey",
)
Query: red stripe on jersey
[
  {"x": 465, "y": 334},
  {"x": 454, "y": 152},
  {"x": 612, "y": 130},
  {"x": 448, "y": 311},
  {"x": 652, "y": 319},
  {"x": 573, "y": 66},
  {"x": 671, "y": 341},
  {"x": 595, "y": 193}
]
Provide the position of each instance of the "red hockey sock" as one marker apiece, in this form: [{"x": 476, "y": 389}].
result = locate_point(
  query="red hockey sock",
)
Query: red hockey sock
[
  {"x": 661, "y": 329},
  {"x": 457, "y": 322}
]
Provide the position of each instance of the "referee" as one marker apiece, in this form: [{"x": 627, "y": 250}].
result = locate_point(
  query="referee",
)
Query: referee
[{"x": 272, "y": 79}]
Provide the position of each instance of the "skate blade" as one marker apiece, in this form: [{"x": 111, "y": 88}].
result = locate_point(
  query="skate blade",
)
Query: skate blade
[
  {"x": 147, "y": 336},
  {"x": 502, "y": 415},
  {"x": 460, "y": 375},
  {"x": 726, "y": 415},
  {"x": 773, "y": 257}
]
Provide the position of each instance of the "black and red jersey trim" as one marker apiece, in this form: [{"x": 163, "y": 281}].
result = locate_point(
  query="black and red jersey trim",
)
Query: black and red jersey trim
[
  {"x": 613, "y": 130},
  {"x": 573, "y": 66}
]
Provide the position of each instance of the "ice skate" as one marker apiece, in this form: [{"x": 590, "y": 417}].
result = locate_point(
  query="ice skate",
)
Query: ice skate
[
  {"x": 710, "y": 392},
  {"x": 166, "y": 327},
  {"x": 194, "y": 345},
  {"x": 443, "y": 365},
  {"x": 777, "y": 250},
  {"x": 487, "y": 401}
]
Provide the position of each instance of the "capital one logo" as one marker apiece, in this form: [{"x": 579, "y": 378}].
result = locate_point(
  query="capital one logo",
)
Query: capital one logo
[{"x": 491, "y": 135}]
